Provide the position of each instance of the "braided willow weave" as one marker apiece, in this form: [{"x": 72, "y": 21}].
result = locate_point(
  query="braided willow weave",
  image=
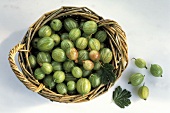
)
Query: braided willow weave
[{"x": 116, "y": 40}]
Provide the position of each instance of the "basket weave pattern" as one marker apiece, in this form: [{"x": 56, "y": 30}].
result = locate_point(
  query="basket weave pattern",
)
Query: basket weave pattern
[{"x": 117, "y": 41}]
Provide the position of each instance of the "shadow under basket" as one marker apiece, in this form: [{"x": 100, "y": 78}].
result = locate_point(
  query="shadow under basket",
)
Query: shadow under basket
[{"x": 116, "y": 41}]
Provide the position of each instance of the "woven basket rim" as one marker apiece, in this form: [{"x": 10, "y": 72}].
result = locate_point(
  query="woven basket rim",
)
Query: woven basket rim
[{"x": 117, "y": 41}]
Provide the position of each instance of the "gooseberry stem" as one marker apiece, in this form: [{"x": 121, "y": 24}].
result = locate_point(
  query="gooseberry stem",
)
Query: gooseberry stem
[
  {"x": 129, "y": 82},
  {"x": 89, "y": 49},
  {"x": 133, "y": 58}
]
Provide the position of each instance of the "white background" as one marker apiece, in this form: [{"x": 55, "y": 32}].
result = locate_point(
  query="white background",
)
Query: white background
[{"x": 147, "y": 26}]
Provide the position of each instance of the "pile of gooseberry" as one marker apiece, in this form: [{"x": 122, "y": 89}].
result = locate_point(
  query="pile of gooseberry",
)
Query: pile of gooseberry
[{"x": 67, "y": 55}]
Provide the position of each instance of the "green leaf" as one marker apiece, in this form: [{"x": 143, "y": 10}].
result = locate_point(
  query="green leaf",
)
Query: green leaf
[
  {"x": 121, "y": 97},
  {"x": 108, "y": 75}
]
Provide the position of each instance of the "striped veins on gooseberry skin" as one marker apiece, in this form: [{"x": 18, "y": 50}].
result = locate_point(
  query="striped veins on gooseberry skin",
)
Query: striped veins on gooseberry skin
[
  {"x": 72, "y": 54},
  {"x": 136, "y": 79},
  {"x": 156, "y": 70},
  {"x": 143, "y": 92},
  {"x": 140, "y": 63}
]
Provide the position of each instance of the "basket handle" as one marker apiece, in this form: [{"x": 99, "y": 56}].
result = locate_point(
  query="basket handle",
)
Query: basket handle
[{"x": 18, "y": 73}]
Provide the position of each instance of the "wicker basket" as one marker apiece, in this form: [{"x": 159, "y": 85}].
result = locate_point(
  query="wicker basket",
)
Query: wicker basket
[{"x": 117, "y": 42}]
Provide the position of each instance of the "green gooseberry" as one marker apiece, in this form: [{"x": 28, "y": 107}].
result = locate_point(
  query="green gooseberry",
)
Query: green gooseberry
[
  {"x": 49, "y": 82},
  {"x": 61, "y": 88},
  {"x": 97, "y": 66},
  {"x": 94, "y": 44},
  {"x": 45, "y": 44},
  {"x": 81, "y": 43},
  {"x": 45, "y": 31},
  {"x": 39, "y": 74},
  {"x": 68, "y": 65},
  {"x": 70, "y": 23},
  {"x": 85, "y": 72},
  {"x": 136, "y": 79},
  {"x": 34, "y": 42},
  {"x": 43, "y": 57},
  {"x": 101, "y": 35},
  {"x": 47, "y": 68},
  {"x": 56, "y": 24},
  {"x": 59, "y": 76},
  {"x": 76, "y": 72},
  {"x": 58, "y": 55},
  {"x": 71, "y": 85},
  {"x": 143, "y": 92},
  {"x": 81, "y": 25},
  {"x": 65, "y": 44},
  {"x": 140, "y": 63},
  {"x": 74, "y": 34},
  {"x": 56, "y": 39},
  {"x": 64, "y": 36},
  {"x": 57, "y": 66},
  {"x": 156, "y": 70},
  {"x": 95, "y": 80},
  {"x": 90, "y": 27},
  {"x": 32, "y": 60}
]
